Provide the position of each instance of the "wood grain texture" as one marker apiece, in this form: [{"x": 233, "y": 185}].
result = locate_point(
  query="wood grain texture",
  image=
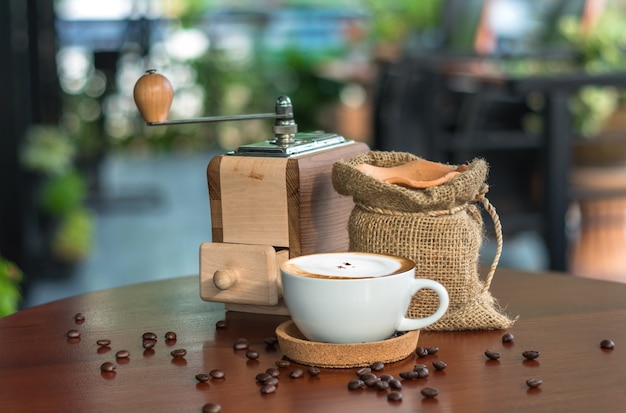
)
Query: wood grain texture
[
  {"x": 318, "y": 215},
  {"x": 215, "y": 199},
  {"x": 153, "y": 95},
  {"x": 563, "y": 317},
  {"x": 282, "y": 202},
  {"x": 252, "y": 273},
  {"x": 254, "y": 208}
]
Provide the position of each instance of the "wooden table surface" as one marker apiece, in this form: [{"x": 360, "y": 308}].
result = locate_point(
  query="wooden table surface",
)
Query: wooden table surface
[{"x": 563, "y": 317}]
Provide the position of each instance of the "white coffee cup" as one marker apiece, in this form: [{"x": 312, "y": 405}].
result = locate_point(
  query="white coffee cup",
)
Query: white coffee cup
[{"x": 354, "y": 297}]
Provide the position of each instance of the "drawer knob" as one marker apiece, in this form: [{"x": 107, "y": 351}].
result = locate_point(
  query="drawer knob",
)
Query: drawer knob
[{"x": 224, "y": 279}]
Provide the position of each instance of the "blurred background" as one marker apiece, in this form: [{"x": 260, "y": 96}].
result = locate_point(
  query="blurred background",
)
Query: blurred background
[{"x": 92, "y": 198}]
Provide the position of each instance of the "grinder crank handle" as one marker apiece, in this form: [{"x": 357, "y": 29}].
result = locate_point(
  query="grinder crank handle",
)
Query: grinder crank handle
[{"x": 153, "y": 95}]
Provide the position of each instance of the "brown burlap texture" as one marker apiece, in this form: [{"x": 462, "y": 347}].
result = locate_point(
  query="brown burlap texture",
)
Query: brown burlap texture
[{"x": 440, "y": 228}]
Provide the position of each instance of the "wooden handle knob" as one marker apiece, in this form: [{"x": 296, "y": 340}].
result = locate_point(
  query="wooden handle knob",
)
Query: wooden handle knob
[
  {"x": 224, "y": 279},
  {"x": 153, "y": 95}
]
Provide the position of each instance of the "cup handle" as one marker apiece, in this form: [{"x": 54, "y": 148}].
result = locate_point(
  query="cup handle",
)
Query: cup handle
[{"x": 407, "y": 324}]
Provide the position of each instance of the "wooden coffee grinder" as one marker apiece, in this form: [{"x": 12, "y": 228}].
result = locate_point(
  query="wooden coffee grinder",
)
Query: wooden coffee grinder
[{"x": 270, "y": 201}]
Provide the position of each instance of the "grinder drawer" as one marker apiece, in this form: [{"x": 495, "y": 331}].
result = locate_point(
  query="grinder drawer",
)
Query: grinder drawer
[{"x": 241, "y": 273}]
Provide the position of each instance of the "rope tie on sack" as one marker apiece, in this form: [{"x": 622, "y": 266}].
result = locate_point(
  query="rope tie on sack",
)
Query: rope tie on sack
[{"x": 480, "y": 197}]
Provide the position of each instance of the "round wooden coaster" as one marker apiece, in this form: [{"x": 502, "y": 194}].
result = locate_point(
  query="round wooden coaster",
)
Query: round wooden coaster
[{"x": 296, "y": 347}]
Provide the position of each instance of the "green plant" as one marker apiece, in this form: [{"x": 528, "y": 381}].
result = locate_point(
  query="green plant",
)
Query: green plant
[
  {"x": 10, "y": 277},
  {"x": 47, "y": 150},
  {"x": 393, "y": 22},
  {"x": 51, "y": 153},
  {"x": 73, "y": 239},
  {"x": 599, "y": 49},
  {"x": 63, "y": 193}
]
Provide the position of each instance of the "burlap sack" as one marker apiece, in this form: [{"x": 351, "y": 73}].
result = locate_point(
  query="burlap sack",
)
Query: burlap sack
[{"x": 440, "y": 228}]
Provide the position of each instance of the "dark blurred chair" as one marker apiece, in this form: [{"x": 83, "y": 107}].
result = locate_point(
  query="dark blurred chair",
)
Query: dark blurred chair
[{"x": 445, "y": 105}]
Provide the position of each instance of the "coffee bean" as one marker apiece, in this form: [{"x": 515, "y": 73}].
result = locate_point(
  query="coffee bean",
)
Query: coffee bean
[
  {"x": 429, "y": 392},
  {"x": 439, "y": 365},
  {"x": 108, "y": 366},
  {"x": 170, "y": 335},
  {"x": 217, "y": 374},
  {"x": 395, "y": 384},
  {"x": 371, "y": 382},
  {"x": 79, "y": 317},
  {"x": 607, "y": 344},
  {"x": 148, "y": 343},
  {"x": 122, "y": 354},
  {"x": 178, "y": 353},
  {"x": 202, "y": 377},
  {"x": 492, "y": 355},
  {"x": 394, "y": 396},
  {"x": 252, "y": 354},
  {"x": 282, "y": 363},
  {"x": 271, "y": 341},
  {"x": 273, "y": 372},
  {"x": 272, "y": 380},
  {"x": 296, "y": 374},
  {"x": 534, "y": 383},
  {"x": 241, "y": 344},
  {"x": 313, "y": 371},
  {"x": 149, "y": 336},
  {"x": 211, "y": 408},
  {"x": 377, "y": 366},
  {"x": 103, "y": 342},
  {"x": 356, "y": 384},
  {"x": 263, "y": 377},
  {"x": 268, "y": 388},
  {"x": 409, "y": 375},
  {"x": 364, "y": 370},
  {"x": 432, "y": 350},
  {"x": 507, "y": 338},
  {"x": 221, "y": 324},
  {"x": 422, "y": 372},
  {"x": 73, "y": 334},
  {"x": 421, "y": 352},
  {"x": 418, "y": 366},
  {"x": 531, "y": 354},
  {"x": 381, "y": 385},
  {"x": 368, "y": 376},
  {"x": 386, "y": 377}
]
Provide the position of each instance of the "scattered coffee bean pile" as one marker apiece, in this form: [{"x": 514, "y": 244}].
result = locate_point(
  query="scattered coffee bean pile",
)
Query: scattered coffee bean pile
[
  {"x": 386, "y": 382},
  {"x": 149, "y": 340},
  {"x": 371, "y": 377}
]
